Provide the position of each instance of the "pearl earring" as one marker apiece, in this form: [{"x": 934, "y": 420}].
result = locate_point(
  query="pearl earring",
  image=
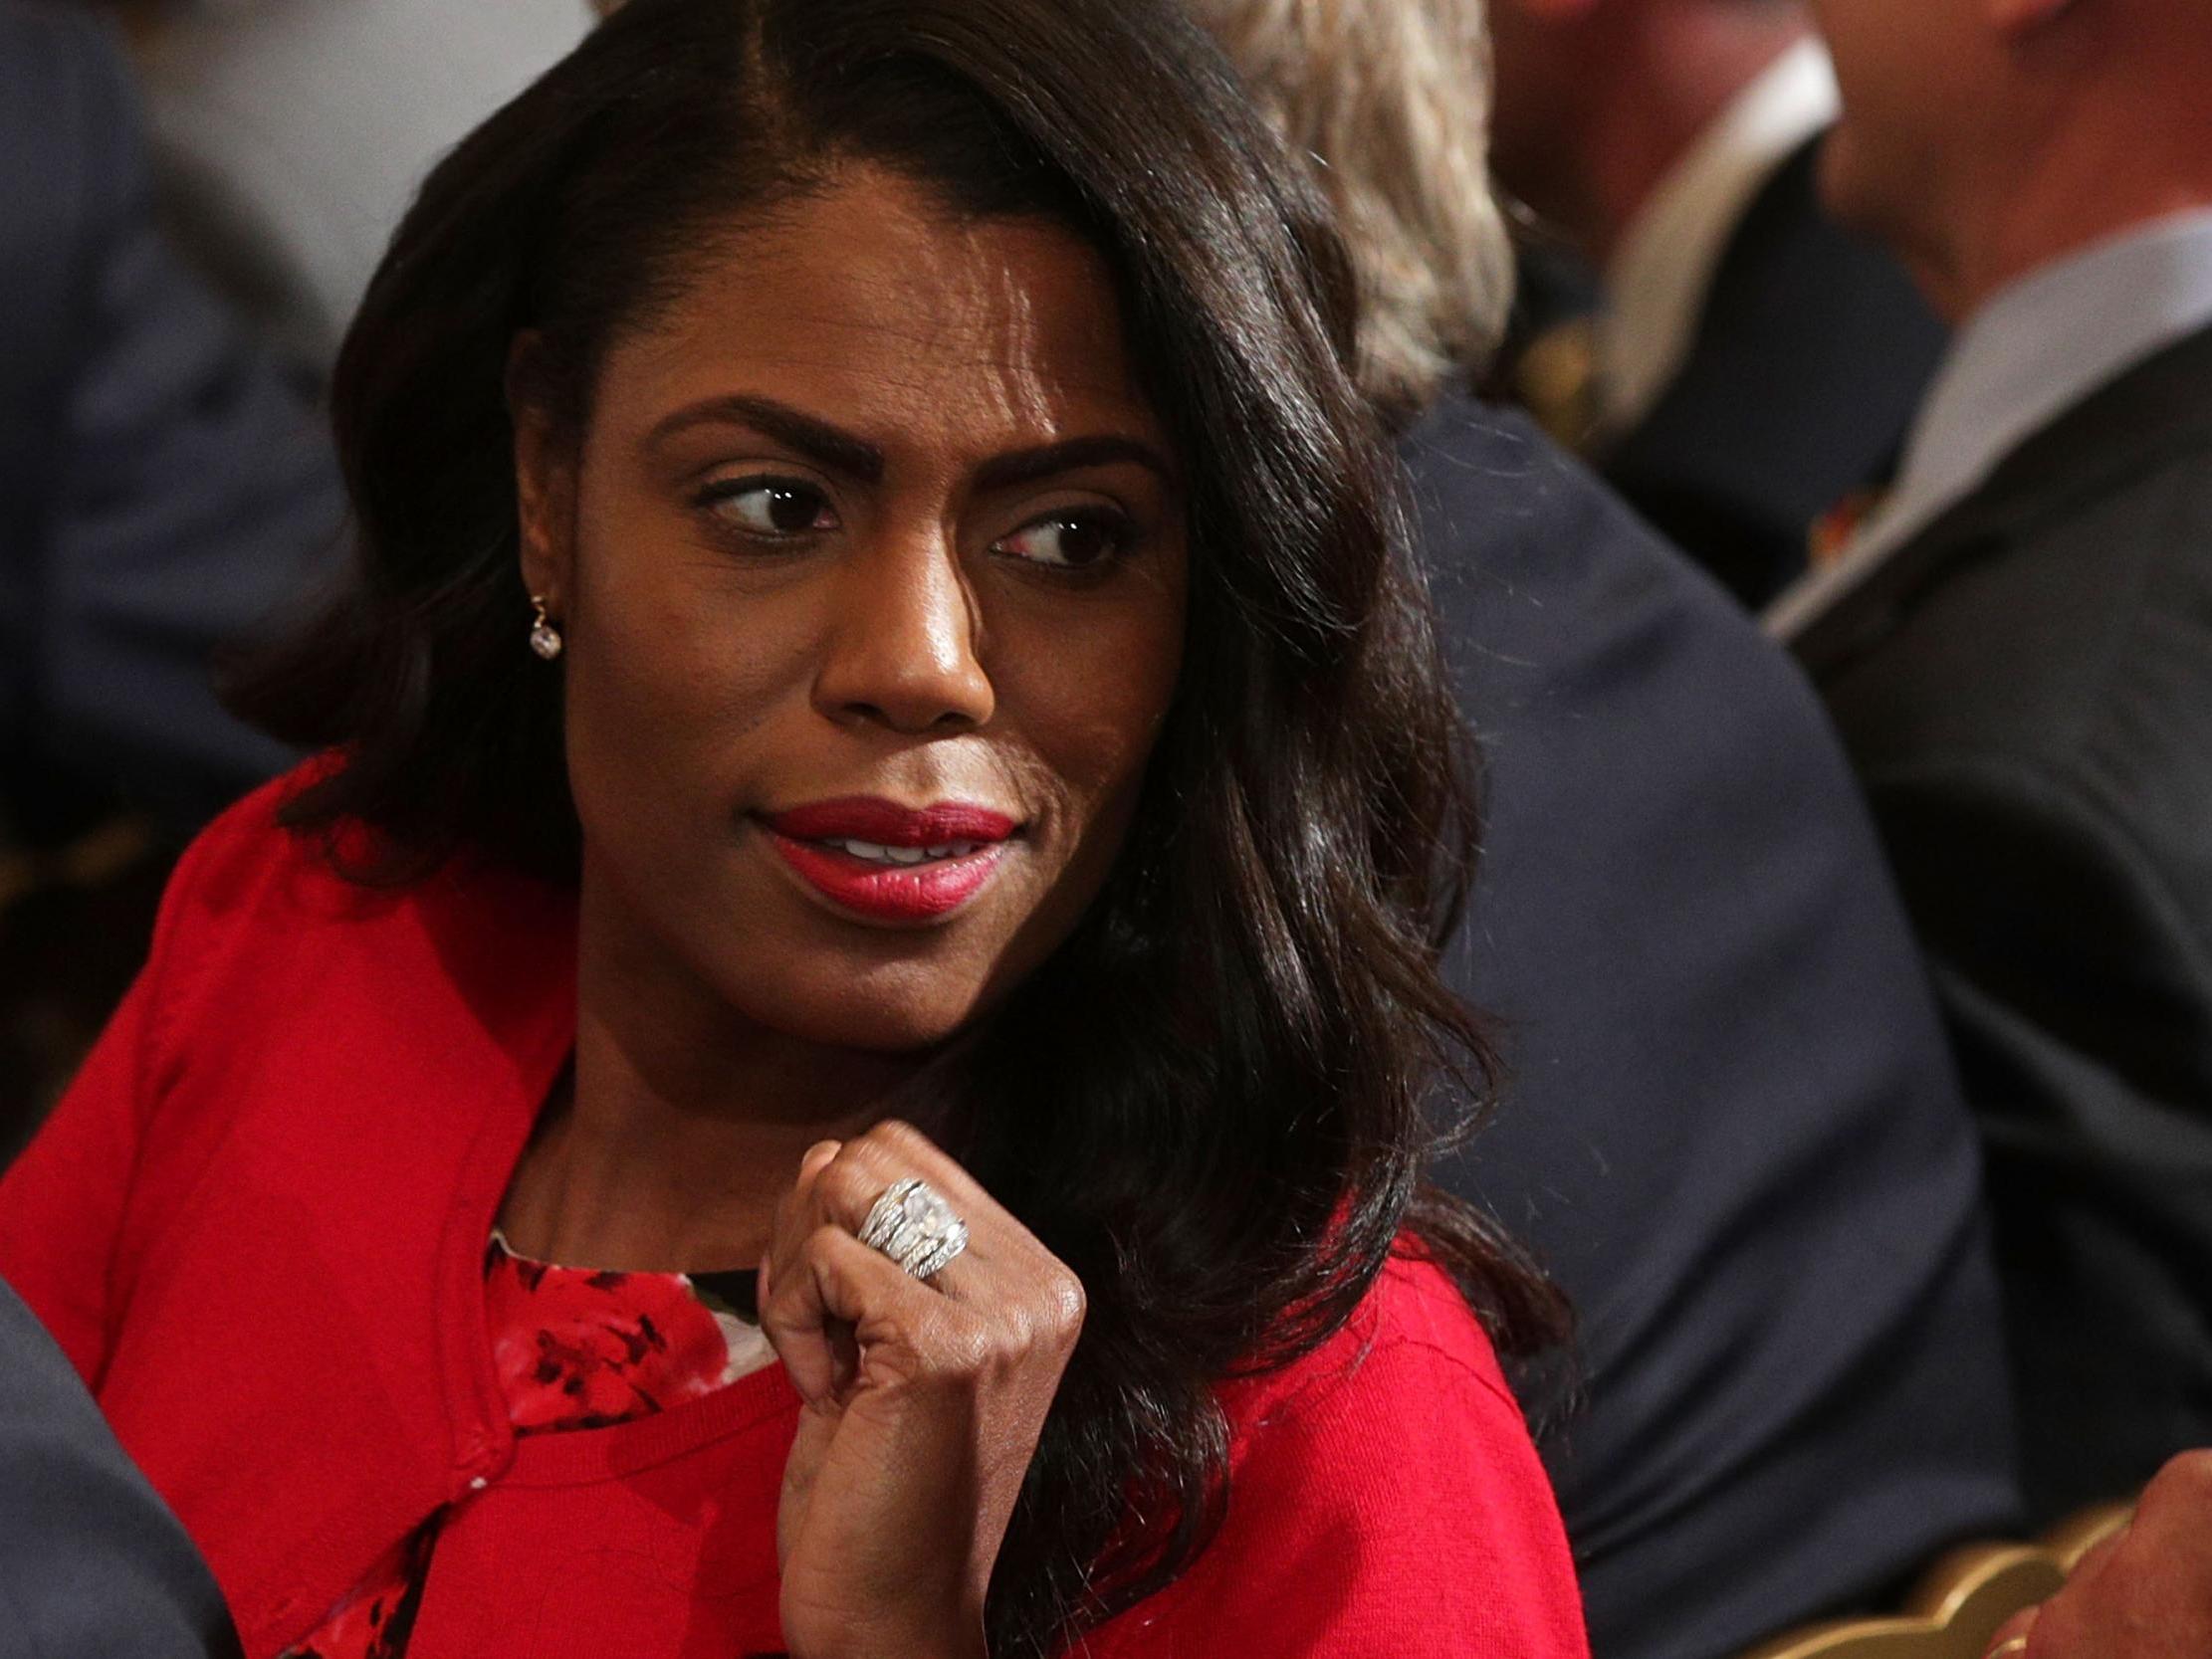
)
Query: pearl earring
[{"x": 545, "y": 638}]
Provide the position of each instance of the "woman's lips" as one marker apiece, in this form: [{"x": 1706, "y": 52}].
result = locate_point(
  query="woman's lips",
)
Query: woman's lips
[{"x": 891, "y": 863}]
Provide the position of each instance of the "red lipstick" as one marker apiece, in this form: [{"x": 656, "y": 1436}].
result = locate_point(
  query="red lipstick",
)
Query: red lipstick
[{"x": 891, "y": 863}]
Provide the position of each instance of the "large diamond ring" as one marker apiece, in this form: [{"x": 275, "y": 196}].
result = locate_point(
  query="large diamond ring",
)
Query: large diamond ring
[{"x": 915, "y": 1227}]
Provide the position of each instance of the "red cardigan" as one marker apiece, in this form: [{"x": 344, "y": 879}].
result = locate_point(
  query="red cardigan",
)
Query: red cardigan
[{"x": 257, "y": 1224}]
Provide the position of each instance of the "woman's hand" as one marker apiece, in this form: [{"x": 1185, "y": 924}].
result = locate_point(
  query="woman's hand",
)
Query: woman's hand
[{"x": 923, "y": 1403}]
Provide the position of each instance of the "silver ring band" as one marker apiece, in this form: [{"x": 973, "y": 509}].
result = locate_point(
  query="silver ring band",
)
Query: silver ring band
[
  {"x": 885, "y": 1214},
  {"x": 914, "y": 1226},
  {"x": 941, "y": 1255}
]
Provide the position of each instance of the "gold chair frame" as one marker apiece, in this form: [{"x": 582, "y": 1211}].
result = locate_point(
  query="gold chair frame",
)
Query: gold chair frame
[{"x": 1962, "y": 1600}]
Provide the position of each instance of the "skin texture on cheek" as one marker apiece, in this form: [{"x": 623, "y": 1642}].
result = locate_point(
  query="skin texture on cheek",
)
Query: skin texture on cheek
[{"x": 899, "y": 652}]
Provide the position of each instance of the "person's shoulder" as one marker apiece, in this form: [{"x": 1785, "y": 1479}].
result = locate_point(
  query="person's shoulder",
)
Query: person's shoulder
[
  {"x": 1417, "y": 1309},
  {"x": 1498, "y": 497},
  {"x": 1526, "y": 549},
  {"x": 1569, "y": 624},
  {"x": 1411, "y": 1343},
  {"x": 2113, "y": 566},
  {"x": 257, "y": 901},
  {"x": 2073, "y": 646},
  {"x": 271, "y": 934},
  {"x": 1384, "y": 1497},
  {"x": 248, "y": 895},
  {"x": 248, "y": 859}
]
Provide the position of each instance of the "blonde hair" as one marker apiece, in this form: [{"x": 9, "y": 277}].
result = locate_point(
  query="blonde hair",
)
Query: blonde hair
[{"x": 1392, "y": 100}]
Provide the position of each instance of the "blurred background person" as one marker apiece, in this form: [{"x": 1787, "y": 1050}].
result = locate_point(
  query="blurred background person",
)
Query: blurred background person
[
  {"x": 1748, "y": 367},
  {"x": 2018, "y": 651},
  {"x": 1731, "y": 1127},
  {"x": 290, "y": 134},
  {"x": 164, "y": 487}
]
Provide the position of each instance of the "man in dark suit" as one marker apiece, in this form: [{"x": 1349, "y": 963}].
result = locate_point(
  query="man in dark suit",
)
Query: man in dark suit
[
  {"x": 1731, "y": 1129},
  {"x": 1750, "y": 364},
  {"x": 2018, "y": 651},
  {"x": 92, "y": 1565}
]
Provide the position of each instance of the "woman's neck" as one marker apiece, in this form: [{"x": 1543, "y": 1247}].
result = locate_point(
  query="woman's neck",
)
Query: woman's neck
[{"x": 682, "y": 1124}]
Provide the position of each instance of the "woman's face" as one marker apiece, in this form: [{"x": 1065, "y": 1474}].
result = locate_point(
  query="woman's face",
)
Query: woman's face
[{"x": 871, "y": 567}]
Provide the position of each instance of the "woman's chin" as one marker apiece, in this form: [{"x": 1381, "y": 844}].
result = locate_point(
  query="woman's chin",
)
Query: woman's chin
[{"x": 866, "y": 1013}]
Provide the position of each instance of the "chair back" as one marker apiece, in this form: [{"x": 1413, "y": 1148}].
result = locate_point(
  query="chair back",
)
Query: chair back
[{"x": 1962, "y": 1600}]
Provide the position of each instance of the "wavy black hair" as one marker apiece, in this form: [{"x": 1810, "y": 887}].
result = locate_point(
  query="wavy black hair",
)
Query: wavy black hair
[{"x": 1244, "y": 1036}]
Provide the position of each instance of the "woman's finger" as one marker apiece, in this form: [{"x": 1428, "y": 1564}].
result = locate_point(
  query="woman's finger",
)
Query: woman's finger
[
  {"x": 823, "y": 1292},
  {"x": 1002, "y": 1271},
  {"x": 853, "y": 1184},
  {"x": 899, "y": 1147},
  {"x": 796, "y": 1212},
  {"x": 800, "y": 1211}
]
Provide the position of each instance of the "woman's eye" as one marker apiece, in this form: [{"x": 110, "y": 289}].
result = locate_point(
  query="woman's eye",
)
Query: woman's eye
[
  {"x": 772, "y": 506},
  {"x": 1070, "y": 540}
]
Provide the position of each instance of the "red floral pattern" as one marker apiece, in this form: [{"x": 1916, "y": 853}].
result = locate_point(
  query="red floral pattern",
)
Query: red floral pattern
[{"x": 574, "y": 1349}]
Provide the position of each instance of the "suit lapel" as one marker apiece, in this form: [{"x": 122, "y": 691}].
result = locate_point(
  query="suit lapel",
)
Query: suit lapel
[{"x": 2160, "y": 406}]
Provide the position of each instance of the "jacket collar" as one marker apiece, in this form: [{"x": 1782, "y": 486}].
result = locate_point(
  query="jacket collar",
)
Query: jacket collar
[
  {"x": 2157, "y": 409},
  {"x": 508, "y": 947}
]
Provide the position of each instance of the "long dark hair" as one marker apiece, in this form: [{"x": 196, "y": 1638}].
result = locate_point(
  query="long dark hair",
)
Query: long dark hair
[{"x": 1242, "y": 1037}]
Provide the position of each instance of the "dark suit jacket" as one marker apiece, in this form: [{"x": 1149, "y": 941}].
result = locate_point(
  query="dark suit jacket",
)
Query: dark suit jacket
[
  {"x": 1808, "y": 359},
  {"x": 2026, "y": 690},
  {"x": 1732, "y": 1130},
  {"x": 162, "y": 487},
  {"x": 92, "y": 1565}
]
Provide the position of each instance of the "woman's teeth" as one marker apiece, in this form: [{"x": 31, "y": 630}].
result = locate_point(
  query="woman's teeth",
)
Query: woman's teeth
[{"x": 875, "y": 854}]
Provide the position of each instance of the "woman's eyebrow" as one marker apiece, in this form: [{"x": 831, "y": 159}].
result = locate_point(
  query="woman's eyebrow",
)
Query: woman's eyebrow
[
  {"x": 840, "y": 451},
  {"x": 825, "y": 445},
  {"x": 1028, "y": 465}
]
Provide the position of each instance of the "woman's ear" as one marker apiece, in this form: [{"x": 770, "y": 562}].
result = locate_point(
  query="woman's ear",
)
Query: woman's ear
[{"x": 544, "y": 477}]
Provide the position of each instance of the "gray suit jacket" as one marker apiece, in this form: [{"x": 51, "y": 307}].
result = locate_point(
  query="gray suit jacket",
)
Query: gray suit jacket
[
  {"x": 91, "y": 1565},
  {"x": 2026, "y": 690},
  {"x": 162, "y": 487}
]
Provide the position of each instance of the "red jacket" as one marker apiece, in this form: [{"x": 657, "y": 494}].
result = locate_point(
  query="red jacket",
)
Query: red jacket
[{"x": 257, "y": 1224}]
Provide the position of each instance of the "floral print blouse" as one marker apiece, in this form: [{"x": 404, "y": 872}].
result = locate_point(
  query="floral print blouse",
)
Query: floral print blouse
[{"x": 574, "y": 1349}]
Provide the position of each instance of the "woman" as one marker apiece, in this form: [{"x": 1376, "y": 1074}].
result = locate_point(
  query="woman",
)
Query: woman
[{"x": 856, "y": 406}]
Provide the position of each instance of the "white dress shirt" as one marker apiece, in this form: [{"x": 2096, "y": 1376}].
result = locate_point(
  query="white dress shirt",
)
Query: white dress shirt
[
  {"x": 1657, "y": 280},
  {"x": 2030, "y": 353}
]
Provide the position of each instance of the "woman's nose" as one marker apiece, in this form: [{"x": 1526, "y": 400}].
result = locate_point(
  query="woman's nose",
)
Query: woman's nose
[{"x": 903, "y": 641}]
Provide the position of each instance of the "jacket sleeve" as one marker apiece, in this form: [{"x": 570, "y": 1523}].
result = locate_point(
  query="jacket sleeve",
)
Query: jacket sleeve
[
  {"x": 90, "y": 1560},
  {"x": 1397, "y": 1509}
]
